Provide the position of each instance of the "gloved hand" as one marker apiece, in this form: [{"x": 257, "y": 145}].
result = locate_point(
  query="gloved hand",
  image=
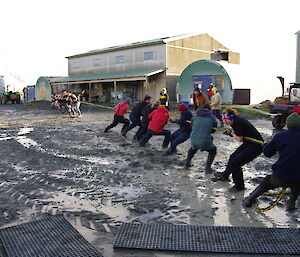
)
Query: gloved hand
[{"x": 228, "y": 132}]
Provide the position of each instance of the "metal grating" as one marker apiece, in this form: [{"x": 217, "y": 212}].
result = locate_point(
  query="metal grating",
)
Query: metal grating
[
  {"x": 51, "y": 237},
  {"x": 2, "y": 250},
  {"x": 194, "y": 238}
]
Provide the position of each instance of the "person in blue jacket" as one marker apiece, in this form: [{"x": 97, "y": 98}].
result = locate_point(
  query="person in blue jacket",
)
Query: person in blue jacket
[
  {"x": 201, "y": 139},
  {"x": 184, "y": 131},
  {"x": 135, "y": 117},
  {"x": 286, "y": 170}
]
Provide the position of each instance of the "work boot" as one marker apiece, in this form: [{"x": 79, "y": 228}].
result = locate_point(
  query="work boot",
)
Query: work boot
[
  {"x": 165, "y": 146},
  {"x": 190, "y": 156},
  {"x": 291, "y": 203},
  {"x": 123, "y": 133},
  {"x": 210, "y": 159},
  {"x": 219, "y": 176},
  {"x": 251, "y": 199}
]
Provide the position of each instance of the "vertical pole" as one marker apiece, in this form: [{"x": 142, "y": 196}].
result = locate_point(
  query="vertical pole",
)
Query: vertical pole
[
  {"x": 115, "y": 91},
  {"x": 147, "y": 85},
  {"x": 298, "y": 58},
  {"x": 90, "y": 92}
]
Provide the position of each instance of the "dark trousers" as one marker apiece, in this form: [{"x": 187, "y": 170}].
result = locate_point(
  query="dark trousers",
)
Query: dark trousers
[
  {"x": 142, "y": 132},
  {"x": 151, "y": 133},
  {"x": 273, "y": 181},
  {"x": 218, "y": 115},
  {"x": 177, "y": 138},
  {"x": 116, "y": 121},
  {"x": 135, "y": 121},
  {"x": 242, "y": 155},
  {"x": 192, "y": 151}
]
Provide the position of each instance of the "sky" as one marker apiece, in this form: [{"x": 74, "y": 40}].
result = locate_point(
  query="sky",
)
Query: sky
[{"x": 36, "y": 36}]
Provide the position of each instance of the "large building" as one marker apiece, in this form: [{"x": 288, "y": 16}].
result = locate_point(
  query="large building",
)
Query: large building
[{"x": 141, "y": 68}]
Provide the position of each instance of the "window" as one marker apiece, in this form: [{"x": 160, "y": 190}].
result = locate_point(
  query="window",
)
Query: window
[
  {"x": 76, "y": 65},
  {"x": 148, "y": 55},
  {"x": 220, "y": 82},
  {"x": 219, "y": 56},
  {"x": 120, "y": 59},
  {"x": 96, "y": 62},
  {"x": 295, "y": 95}
]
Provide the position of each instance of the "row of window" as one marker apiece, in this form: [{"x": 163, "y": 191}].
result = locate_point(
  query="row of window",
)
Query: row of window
[{"x": 119, "y": 59}]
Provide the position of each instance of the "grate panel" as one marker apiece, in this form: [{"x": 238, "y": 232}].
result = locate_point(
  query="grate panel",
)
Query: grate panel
[
  {"x": 209, "y": 239},
  {"x": 49, "y": 237}
]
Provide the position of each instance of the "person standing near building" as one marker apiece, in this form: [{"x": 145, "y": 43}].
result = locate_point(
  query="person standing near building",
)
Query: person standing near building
[
  {"x": 245, "y": 153},
  {"x": 164, "y": 97},
  {"x": 210, "y": 92},
  {"x": 285, "y": 172},
  {"x": 201, "y": 139},
  {"x": 215, "y": 105},
  {"x": 120, "y": 109},
  {"x": 214, "y": 89},
  {"x": 135, "y": 117},
  {"x": 184, "y": 131},
  {"x": 199, "y": 98},
  {"x": 159, "y": 118}
]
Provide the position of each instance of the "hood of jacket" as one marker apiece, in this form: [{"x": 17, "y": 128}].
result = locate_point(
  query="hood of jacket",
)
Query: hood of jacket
[
  {"x": 203, "y": 112},
  {"x": 162, "y": 109}
]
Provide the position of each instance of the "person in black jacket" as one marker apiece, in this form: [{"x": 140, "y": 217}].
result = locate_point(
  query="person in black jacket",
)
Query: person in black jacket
[
  {"x": 245, "y": 153},
  {"x": 135, "y": 117},
  {"x": 286, "y": 172},
  {"x": 184, "y": 131},
  {"x": 145, "y": 119}
]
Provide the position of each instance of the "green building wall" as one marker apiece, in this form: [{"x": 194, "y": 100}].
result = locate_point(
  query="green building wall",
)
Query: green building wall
[
  {"x": 185, "y": 85},
  {"x": 43, "y": 89}
]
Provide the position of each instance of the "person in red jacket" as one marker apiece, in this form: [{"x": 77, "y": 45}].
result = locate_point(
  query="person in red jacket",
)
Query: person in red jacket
[
  {"x": 159, "y": 118},
  {"x": 120, "y": 109}
]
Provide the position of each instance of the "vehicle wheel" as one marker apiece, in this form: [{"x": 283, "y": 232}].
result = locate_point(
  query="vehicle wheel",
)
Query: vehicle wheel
[
  {"x": 18, "y": 99},
  {"x": 278, "y": 121},
  {"x": 4, "y": 99}
]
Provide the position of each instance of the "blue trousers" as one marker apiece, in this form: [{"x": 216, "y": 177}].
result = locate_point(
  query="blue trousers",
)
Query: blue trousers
[
  {"x": 135, "y": 121},
  {"x": 177, "y": 138},
  {"x": 151, "y": 133},
  {"x": 242, "y": 155}
]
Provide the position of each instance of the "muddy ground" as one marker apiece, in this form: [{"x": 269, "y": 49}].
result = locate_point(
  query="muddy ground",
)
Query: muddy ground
[{"x": 52, "y": 164}]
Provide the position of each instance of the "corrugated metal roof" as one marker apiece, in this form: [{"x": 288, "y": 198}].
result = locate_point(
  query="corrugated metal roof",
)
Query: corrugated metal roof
[
  {"x": 162, "y": 40},
  {"x": 105, "y": 76}
]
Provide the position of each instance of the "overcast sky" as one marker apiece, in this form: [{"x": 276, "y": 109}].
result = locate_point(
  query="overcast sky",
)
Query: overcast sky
[{"x": 36, "y": 35}]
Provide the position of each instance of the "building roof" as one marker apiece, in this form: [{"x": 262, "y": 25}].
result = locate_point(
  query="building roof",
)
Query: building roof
[
  {"x": 157, "y": 41},
  {"x": 121, "y": 75}
]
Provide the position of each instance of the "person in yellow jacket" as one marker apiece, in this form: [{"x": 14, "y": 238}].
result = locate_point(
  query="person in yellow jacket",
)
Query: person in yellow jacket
[{"x": 164, "y": 97}]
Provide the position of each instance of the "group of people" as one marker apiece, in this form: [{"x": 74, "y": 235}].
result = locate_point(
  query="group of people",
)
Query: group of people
[
  {"x": 68, "y": 102},
  {"x": 151, "y": 119}
]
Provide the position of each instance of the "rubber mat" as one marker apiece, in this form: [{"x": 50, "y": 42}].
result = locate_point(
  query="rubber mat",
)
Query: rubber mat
[
  {"x": 51, "y": 237},
  {"x": 209, "y": 239},
  {"x": 2, "y": 250}
]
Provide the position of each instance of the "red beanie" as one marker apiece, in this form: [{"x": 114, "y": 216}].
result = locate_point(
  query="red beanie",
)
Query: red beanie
[{"x": 181, "y": 107}]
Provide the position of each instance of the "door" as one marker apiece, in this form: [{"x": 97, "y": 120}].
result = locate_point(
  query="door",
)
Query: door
[{"x": 203, "y": 82}]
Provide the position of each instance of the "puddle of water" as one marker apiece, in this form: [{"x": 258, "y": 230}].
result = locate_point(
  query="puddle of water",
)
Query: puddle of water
[
  {"x": 5, "y": 138},
  {"x": 26, "y": 142},
  {"x": 24, "y": 131}
]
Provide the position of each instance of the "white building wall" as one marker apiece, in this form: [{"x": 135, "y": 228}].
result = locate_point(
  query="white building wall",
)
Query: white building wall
[{"x": 106, "y": 62}]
